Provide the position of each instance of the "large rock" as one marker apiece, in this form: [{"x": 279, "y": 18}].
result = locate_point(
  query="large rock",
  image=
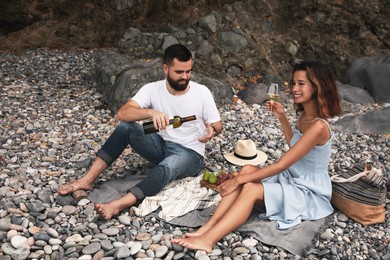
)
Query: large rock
[
  {"x": 108, "y": 66},
  {"x": 232, "y": 41},
  {"x": 373, "y": 75},
  {"x": 354, "y": 94},
  {"x": 376, "y": 121}
]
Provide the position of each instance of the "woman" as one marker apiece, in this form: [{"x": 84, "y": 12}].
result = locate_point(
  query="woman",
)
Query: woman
[{"x": 297, "y": 187}]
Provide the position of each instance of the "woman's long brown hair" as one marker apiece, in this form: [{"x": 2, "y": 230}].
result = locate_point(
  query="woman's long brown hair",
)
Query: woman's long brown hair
[{"x": 327, "y": 95}]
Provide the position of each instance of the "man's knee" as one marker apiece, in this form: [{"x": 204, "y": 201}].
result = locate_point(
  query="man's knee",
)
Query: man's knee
[
  {"x": 118, "y": 141},
  {"x": 129, "y": 127},
  {"x": 167, "y": 172},
  {"x": 182, "y": 166}
]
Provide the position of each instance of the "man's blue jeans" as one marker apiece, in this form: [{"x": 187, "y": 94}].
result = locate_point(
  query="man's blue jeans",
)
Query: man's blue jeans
[{"x": 171, "y": 160}]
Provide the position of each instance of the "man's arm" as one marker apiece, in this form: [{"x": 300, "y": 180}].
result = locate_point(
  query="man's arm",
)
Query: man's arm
[
  {"x": 131, "y": 112},
  {"x": 217, "y": 127}
]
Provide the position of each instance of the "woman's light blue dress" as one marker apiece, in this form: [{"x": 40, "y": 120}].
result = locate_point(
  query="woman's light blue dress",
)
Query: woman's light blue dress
[{"x": 303, "y": 191}]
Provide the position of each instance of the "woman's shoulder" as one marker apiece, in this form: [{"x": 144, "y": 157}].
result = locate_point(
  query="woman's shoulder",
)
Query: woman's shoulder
[
  {"x": 321, "y": 123},
  {"x": 324, "y": 130}
]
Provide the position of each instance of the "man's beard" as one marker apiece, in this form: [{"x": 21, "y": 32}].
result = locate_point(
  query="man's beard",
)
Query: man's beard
[{"x": 176, "y": 85}]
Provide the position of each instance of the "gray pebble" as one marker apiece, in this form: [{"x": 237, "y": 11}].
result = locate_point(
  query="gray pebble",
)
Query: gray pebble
[
  {"x": 123, "y": 252},
  {"x": 91, "y": 248}
]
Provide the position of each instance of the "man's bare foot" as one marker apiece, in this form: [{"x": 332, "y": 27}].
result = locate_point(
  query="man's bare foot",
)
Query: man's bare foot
[
  {"x": 203, "y": 229},
  {"x": 73, "y": 186},
  {"x": 107, "y": 211},
  {"x": 194, "y": 243}
]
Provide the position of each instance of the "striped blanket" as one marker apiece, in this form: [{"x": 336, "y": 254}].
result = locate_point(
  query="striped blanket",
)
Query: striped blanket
[{"x": 178, "y": 198}]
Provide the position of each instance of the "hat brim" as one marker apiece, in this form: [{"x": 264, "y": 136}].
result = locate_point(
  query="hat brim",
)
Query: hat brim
[{"x": 260, "y": 158}]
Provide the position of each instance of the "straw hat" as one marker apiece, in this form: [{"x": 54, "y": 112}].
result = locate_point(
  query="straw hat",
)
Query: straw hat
[{"x": 245, "y": 152}]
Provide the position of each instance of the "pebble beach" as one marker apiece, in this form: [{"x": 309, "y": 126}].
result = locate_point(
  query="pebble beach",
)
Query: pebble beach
[{"x": 52, "y": 122}]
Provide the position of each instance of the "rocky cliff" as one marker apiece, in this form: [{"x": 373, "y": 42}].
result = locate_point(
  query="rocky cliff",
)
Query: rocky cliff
[{"x": 276, "y": 32}]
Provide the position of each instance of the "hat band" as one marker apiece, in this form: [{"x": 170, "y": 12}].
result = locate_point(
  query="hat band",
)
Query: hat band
[{"x": 245, "y": 157}]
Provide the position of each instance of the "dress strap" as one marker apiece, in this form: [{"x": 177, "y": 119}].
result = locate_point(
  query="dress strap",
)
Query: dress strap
[{"x": 326, "y": 122}]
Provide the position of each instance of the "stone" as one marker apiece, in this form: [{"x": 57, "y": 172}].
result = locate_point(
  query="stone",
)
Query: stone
[
  {"x": 328, "y": 234},
  {"x": 135, "y": 248},
  {"x": 17, "y": 240},
  {"x": 79, "y": 195},
  {"x": 161, "y": 251},
  {"x": 110, "y": 231},
  {"x": 249, "y": 242},
  {"x": 143, "y": 236},
  {"x": 126, "y": 220},
  {"x": 91, "y": 248},
  {"x": 123, "y": 252}
]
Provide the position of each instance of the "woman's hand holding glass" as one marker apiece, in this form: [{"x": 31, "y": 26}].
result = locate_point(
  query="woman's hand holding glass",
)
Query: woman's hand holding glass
[
  {"x": 273, "y": 100},
  {"x": 276, "y": 108},
  {"x": 273, "y": 93}
]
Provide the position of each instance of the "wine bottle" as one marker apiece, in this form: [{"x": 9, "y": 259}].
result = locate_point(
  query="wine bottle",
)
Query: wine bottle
[{"x": 176, "y": 122}]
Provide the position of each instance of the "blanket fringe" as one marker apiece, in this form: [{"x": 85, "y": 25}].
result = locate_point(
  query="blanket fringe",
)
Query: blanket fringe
[{"x": 309, "y": 249}]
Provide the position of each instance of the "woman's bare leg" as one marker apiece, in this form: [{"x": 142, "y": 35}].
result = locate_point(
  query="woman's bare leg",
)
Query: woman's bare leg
[
  {"x": 234, "y": 217},
  {"x": 221, "y": 209},
  {"x": 86, "y": 182},
  {"x": 107, "y": 211}
]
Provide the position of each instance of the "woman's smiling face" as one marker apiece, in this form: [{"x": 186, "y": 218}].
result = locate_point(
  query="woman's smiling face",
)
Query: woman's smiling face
[{"x": 302, "y": 88}]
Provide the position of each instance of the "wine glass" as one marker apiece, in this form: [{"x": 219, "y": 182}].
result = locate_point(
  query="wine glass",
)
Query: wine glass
[
  {"x": 273, "y": 93},
  {"x": 199, "y": 128}
]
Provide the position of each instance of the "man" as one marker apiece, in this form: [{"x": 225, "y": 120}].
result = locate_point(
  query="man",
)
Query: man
[{"x": 175, "y": 153}]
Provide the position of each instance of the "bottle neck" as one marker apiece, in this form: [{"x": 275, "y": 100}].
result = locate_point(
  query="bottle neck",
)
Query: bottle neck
[{"x": 189, "y": 118}]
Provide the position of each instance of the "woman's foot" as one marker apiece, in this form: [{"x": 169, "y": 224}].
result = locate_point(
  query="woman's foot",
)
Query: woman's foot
[
  {"x": 203, "y": 229},
  {"x": 74, "y": 186},
  {"x": 194, "y": 243}
]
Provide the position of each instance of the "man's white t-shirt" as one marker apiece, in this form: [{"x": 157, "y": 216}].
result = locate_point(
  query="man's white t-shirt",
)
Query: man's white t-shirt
[{"x": 197, "y": 101}]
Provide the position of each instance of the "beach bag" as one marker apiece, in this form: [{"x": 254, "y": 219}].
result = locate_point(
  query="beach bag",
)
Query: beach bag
[{"x": 360, "y": 193}]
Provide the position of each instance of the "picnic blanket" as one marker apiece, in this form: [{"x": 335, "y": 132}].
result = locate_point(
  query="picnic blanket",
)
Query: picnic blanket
[
  {"x": 185, "y": 203},
  {"x": 179, "y": 198},
  {"x": 113, "y": 189},
  {"x": 298, "y": 240}
]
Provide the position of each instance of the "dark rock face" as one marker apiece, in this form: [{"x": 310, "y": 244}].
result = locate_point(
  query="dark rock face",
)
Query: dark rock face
[
  {"x": 86, "y": 23},
  {"x": 257, "y": 37}
]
